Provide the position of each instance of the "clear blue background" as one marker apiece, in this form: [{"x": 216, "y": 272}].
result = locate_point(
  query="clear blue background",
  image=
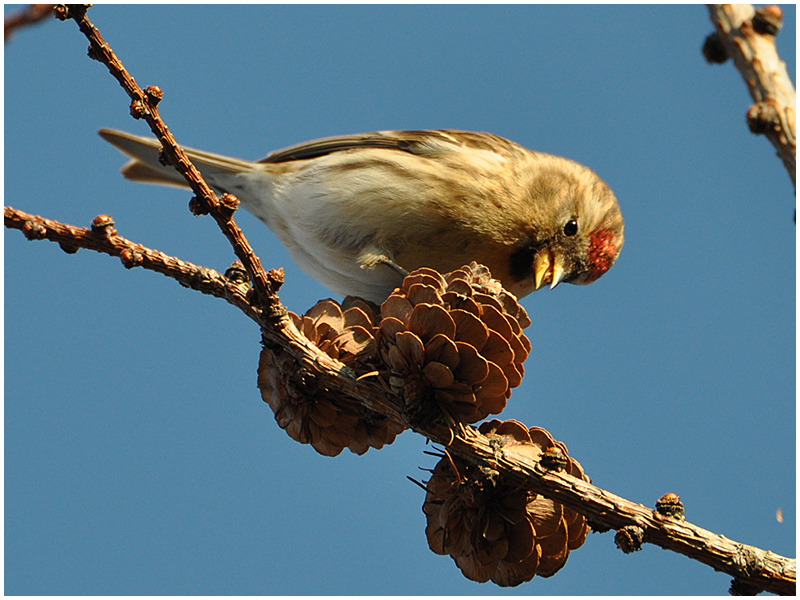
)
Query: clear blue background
[{"x": 139, "y": 457}]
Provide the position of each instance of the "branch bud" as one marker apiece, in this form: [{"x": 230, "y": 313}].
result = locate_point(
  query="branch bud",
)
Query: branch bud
[
  {"x": 104, "y": 225},
  {"x": 138, "y": 109},
  {"x": 762, "y": 117},
  {"x": 228, "y": 204},
  {"x": 237, "y": 274},
  {"x": 163, "y": 159},
  {"x": 629, "y": 538},
  {"x": 713, "y": 50},
  {"x": 742, "y": 588},
  {"x": 68, "y": 248},
  {"x": 154, "y": 95},
  {"x": 131, "y": 258},
  {"x": 670, "y": 505},
  {"x": 34, "y": 230},
  {"x": 553, "y": 459},
  {"x": 768, "y": 20},
  {"x": 197, "y": 207},
  {"x": 275, "y": 277},
  {"x": 94, "y": 52},
  {"x": 70, "y": 11}
]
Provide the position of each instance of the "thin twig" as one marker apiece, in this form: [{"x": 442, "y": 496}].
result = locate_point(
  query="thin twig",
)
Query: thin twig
[
  {"x": 748, "y": 37},
  {"x": 102, "y": 237},
  {"x": 143, "y": 106},
  {"x": 30, "y": 15}
]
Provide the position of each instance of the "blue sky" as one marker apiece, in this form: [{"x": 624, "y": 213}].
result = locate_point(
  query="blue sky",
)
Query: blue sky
[{"x": 139, "y": 457}]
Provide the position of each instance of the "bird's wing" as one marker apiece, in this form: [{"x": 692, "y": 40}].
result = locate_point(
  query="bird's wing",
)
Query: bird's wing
[{"x": 423, "y": 143}]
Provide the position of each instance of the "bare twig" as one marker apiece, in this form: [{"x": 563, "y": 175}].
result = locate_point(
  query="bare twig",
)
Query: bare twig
[
  {"x": 30, "y": 15},
  {"x": 102, "y": 237},
  {"x": 143, "y": 106},
  {"x": 748, "y": 37}
]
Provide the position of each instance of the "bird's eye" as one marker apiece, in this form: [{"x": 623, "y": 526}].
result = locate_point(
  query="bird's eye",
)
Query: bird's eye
[{"x": 571, "y": 228}]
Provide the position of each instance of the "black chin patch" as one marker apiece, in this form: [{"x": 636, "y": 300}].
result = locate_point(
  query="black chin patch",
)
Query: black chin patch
[{"x": 521, "y": 266}]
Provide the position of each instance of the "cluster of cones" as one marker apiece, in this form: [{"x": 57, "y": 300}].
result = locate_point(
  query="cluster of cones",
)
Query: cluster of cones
[
  {"x": 498, "y": 532},
  {"x": 453, "y": 345}
]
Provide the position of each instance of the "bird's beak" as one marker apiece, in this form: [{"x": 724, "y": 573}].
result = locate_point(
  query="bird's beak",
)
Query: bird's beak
[{"x": 547, "y": 268}]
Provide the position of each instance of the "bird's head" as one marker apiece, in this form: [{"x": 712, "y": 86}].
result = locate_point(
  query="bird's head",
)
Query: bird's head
[{"x": 582, "y": 233}]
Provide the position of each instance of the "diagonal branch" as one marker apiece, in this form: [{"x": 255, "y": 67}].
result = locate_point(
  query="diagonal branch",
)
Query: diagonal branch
[
  {"x": 102, "y": 237},
  {"x": 751, "y": 567},
  {"x": 30, "y": 15},
  {"x": 143, "y": 106},
  {"x": 748, "y": 37}
]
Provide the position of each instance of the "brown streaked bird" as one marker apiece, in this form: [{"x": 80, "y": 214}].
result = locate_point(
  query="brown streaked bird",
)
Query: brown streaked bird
[{"x": 357, "y": 212}]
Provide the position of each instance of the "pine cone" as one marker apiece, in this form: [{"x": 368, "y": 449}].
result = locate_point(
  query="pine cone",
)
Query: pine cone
[
  {"x": 495, "y": 531},
  {"x": 316, "y": 416},
  {"x": 455, "y": 342}
]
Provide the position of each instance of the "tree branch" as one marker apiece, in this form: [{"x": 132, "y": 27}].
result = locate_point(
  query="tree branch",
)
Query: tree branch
[
  {"x": 30, "y": 15},
  {"x": 748, "y": 37},
  {"x": 143, "y": 106},
  {"x": 102, "y": 237},
  {"x": 755, "y": 568}
]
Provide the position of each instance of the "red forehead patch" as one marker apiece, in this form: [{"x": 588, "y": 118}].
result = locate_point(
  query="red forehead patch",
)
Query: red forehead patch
[{"x": 602, "y": 253}]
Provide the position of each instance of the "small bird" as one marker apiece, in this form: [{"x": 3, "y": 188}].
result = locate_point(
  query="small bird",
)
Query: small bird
[{"x": 358, "y": 212}]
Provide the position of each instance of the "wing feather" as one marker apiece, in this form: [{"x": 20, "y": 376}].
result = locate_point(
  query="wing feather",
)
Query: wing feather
[{"x": 422, "y": 143}]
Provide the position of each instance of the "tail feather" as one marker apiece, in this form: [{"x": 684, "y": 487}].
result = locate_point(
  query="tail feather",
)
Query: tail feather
[{"x": 145, "y": 167}]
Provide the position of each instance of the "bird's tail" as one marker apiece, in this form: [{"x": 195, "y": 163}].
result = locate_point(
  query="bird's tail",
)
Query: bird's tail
[{"x": 145, "y": 167}]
